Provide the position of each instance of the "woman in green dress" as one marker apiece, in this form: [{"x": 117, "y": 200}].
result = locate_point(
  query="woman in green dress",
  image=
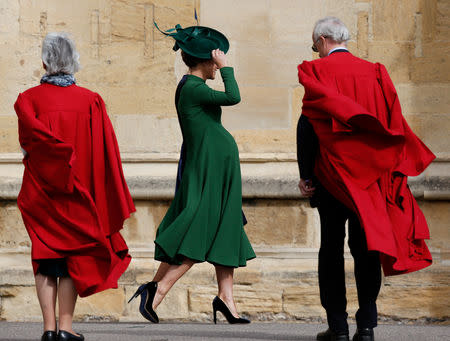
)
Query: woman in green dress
[{"x": 205, "y": 220}]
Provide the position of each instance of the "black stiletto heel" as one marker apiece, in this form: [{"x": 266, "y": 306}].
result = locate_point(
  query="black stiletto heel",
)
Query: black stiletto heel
[
  {"x": 147, "y": 292},
  {"x": 219, "y": 305}
]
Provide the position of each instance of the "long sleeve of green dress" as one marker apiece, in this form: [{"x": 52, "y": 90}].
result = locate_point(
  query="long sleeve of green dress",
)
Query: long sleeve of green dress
[{"x": 231, "y": 96}]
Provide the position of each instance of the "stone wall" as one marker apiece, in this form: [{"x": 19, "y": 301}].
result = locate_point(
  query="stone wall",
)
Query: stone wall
[{"x": 134, "y": 69}]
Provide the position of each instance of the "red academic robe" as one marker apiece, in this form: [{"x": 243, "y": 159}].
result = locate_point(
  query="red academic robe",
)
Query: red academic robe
[
  {"x": 366, "y": 152},
  {"x": 74, "y": 198}
]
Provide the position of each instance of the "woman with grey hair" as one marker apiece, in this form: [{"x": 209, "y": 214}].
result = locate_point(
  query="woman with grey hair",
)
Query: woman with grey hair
[{"x": 74, "y": 198}]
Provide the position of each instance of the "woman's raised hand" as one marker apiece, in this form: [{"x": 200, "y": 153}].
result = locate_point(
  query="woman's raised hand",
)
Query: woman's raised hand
[{"x": 219, "y": 58}]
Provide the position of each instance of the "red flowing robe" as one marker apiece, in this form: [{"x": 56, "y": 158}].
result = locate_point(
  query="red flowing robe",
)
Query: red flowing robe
[
  {"x": 74, "y": 198},
  {"x": 366, "y": 152}
]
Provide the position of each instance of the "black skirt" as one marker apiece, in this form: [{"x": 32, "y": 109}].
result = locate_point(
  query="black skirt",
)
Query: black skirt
[{"x": 56, "y": 267}]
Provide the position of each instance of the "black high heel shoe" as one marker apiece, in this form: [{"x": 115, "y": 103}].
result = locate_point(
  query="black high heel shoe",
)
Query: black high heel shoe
[
  {"x": 219, "y": 305},
  {"x": 147, "y": 293},
  {"x": 66, "y": 336},
  {"x": 49, "y": 335}
]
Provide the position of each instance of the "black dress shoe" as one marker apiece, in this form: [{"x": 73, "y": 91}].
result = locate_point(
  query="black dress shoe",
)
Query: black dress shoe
[
  {"x": 219, "y": 305},
  {"x": 49, "y": 335},
  {"x": 364, "y": 334},
  {"x": 330, "y": 335},
  {"x": 66, "y": 336},
  {"x": 147, "y": 292}
]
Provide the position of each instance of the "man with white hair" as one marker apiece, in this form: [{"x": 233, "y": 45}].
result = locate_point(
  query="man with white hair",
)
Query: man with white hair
[{"x": 355, "y": 151}]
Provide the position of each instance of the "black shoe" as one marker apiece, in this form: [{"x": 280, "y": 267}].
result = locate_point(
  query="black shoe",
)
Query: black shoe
[
  {"x": 66, "y": 336},
  {"x": 330, "y": 335},
  {"x": 147, "y": 292},
  {"x": 49, "y": 335},
  {"x": 219, "y": 305},
  {"x": 364, "y": 334}
]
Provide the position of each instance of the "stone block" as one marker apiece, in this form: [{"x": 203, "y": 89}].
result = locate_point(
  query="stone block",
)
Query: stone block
[
  {"x": 262, "y": 107},
  {"x": 17, "y": 275},
  {"x": 424, "y": 98},
  {"x": 293, "y": 22},
  {"x": 12, "y": 230},
  {"x": 289, "y": 228},
  {"x": 432, "y": 129},
  {"x": 172, "y": 12},
  {"x": 363, "y": 35},
  {"x": 147, "y": 133},
  {"x": 145, "y": 100},
  {"x": 133, "y": 70},
  {"x": 9, "y": 137},
  {"x": 436, "y": 275},
  {"x": 141, "y": 270},
  {"x": 442, "y": 19},
  {"x": 251, "y": 19},
  {"x": 302, "y": 301},
  {"x": 29, "y": 17},
  {"x": 107, "y": 305},
  {"x": 289, "y": 271},
  {"x": 396, "y": 57},
  {"x": 394, "y": 20},
  {"x": 140, "y": 228},
  {"x": 428, "y": 12},
  {"x": 23, "y": 297},
  {"x": 263, "y": 65},
  {"x": 200, "y": 274},
  {"x": 175, "y": 304},
  {"x": 433, "y": 67},
  {"x": 9, "y": 12},
  {"x": 265, "y": 140},
  {"x": 127, "y": 20},
  {"x": 247, "y": 275},
  {"x": 438, "y": 217},
  {"x": 414, "y": 302}
]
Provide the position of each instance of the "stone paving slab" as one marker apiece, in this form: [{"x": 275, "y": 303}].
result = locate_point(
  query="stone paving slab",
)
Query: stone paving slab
[{"x": 11, "y": 331}]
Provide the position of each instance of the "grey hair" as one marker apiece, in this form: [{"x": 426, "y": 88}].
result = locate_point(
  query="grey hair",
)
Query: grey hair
[
  {"x": 333, "y": 28},
  {"x": 59, "y": 54}
]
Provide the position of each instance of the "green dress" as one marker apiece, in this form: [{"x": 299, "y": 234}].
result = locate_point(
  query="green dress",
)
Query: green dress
[{"x": 204, "y": 221}]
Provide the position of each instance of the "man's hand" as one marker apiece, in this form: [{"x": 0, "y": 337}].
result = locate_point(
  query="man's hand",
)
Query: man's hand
[{"x": 306, "y": 188}]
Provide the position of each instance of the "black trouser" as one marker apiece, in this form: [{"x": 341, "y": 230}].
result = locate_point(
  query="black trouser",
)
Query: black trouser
[{"x": 333, "y": 216}]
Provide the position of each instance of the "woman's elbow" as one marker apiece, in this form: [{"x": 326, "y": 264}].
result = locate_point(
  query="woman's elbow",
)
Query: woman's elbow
[{"x": 235, "y": 99}]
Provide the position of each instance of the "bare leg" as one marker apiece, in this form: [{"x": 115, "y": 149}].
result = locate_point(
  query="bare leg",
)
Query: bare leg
[
  {"x": 172, "y": 274},
  {"x": 225, "y": 283},
  {"x": 162, "y": 270},
  {"x": 67, "y": 297},
  {"x": 46, "y": 288}
]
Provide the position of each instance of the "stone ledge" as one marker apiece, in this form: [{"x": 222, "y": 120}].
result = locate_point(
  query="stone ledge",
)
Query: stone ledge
[
  {"x": 16, "y": 256},
  {"x": 269, "y": 175},
  {"x": 173, "y": 157}
]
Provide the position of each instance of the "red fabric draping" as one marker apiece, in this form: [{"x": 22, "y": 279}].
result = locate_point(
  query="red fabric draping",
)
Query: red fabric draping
[
  {"x": 74, "y": 198},
  {"x": 366, "y": 152}
]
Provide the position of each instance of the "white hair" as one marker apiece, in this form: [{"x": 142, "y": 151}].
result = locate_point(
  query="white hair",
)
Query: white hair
[
  {"x": 333, "y": 28},
  {"x": 59, "y": 54}
]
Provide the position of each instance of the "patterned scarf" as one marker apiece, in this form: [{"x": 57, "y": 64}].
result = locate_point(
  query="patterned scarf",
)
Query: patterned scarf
[{"x": 59, "y": 79}]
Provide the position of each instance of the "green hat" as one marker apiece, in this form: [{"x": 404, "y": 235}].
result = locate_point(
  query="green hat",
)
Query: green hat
[{"x": 197, "y": 41}]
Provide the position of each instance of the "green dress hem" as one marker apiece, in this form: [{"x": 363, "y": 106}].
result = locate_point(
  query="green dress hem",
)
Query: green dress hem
[{"x": 178, "y": 259}]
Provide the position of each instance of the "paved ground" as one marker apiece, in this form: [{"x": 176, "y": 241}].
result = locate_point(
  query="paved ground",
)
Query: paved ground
[{"x": 223, "y": 332}]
